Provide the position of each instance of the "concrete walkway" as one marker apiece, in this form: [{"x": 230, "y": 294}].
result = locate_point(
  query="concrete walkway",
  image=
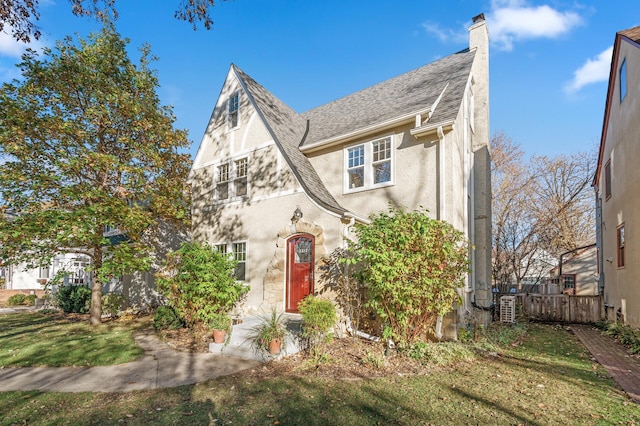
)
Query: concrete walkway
[
  {"x": 614, "y": 357},
  {"x": 159, "y": 367}
]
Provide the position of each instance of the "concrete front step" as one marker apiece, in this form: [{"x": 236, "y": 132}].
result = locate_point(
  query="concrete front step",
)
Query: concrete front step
[{"x": 240, "y": 342}]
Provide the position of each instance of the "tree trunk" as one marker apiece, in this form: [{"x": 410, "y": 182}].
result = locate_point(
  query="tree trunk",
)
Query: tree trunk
[{"x": 95, "y": 311}]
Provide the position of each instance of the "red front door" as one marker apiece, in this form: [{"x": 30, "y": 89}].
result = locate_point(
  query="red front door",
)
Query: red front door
[{"x": 300, "y": 258}]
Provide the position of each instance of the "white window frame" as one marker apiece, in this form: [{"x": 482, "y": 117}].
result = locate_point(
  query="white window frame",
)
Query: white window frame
[
  {"x": 229, "y": 249},
  {"x": 238, "y": 170},
  {"x": 230, "y": 114},
  {"x": 369, "y": 164}
]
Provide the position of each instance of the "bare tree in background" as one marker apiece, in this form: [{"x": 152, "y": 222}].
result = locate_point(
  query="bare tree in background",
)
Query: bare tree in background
[{"x": 542, "y": 207}]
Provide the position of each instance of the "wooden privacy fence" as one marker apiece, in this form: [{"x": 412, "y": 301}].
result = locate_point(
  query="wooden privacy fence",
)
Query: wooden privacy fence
[{"x": 561, "y": 307}]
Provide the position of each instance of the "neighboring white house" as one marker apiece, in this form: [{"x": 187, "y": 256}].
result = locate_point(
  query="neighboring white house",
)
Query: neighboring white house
[
  {"x": 280, "y": 190},
  {"x": 19, "y": 277}
]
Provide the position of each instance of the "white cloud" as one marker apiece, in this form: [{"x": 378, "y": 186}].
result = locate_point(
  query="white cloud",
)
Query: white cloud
[
  {"x": 9, "y": 46},
  {"x": 513, "y": 20},
  {"x": 12, "y": 48},
  {"x": 593, "y": 71}
]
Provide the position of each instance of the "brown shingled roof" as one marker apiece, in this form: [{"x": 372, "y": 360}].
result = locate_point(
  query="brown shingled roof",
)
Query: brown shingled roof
[{"x": 631, "y": 33}]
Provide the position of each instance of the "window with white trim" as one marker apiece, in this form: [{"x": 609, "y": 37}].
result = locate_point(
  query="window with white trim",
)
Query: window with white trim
[
  {"x": 222, "y": 183},
  {"x": 369, "y": 165},
  {"x": 233, "y": 110},
  {"x": 240, "y": 177},
  {"x": 240, "y": 255},
  {"x": 236, "y": 250},
  {"x": 231, "y": 179}
]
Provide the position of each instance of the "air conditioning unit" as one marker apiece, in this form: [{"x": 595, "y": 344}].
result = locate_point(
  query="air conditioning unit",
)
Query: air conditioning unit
[{"x": 508, "y": 309}]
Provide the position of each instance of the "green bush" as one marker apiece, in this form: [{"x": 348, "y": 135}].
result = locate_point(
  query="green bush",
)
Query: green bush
[
  {"x": 199, "y": 283},
  {"x": 411, "y": 266},
  {"x": 30, "y": 300},
  {"x": 318, "y": 318},
  {"x": 74, "y": 299},
  {"x": 623, "y": 333},
  {"x": 16, "y": 300},
  {"x": 166, "y": 318},
  {"x": 3, "y": 284},
  {"x": 113, "y": 304}
]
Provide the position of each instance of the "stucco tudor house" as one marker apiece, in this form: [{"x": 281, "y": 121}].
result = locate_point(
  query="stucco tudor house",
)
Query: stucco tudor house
[
  {"x": 280, "y": 190},
  {"x": 617, "y": 183}
]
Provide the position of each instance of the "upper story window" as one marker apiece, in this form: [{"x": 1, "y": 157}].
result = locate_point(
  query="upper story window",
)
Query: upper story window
[
  {"x": 623, "y": 79},
  {"x": 607, "y": 180},
  {"x": 240, "y": 180},
  {"x": 369, "y": 165},
  {"x": 233, "y": 109},
  {"x": 231, "y": 179},
  {"x": 222, "y": 184}
]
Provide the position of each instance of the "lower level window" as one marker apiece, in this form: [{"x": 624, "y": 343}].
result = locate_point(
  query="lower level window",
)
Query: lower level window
[{"x": 238, "y": 251}]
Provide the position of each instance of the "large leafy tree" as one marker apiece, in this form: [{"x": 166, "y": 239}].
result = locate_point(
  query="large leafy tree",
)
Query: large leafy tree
[
  {"x": 85, "y": 144},
  {"x": 20, "y": 16}
]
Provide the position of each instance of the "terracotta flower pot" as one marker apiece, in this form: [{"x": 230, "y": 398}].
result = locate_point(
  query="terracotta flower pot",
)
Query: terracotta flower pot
[
  {"x": 219, "y": 335},
  {"x": 275, "y": 346}
]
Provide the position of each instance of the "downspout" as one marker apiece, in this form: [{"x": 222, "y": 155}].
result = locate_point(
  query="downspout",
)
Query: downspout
[
  {"x": 441, "y": 183},
  {"x": 441, "y": 202}
]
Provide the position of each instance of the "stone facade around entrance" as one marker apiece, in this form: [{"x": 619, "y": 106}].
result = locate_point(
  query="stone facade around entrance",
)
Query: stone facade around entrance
[{"x": 276, "y": 275}]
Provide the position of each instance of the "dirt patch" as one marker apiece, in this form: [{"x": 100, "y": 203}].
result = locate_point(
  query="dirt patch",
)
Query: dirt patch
[
  {"x": 185, "y": 340},
  {"x": 346, "y": 358}
]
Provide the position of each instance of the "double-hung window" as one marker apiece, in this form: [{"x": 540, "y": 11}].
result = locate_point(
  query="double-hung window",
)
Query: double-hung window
[
  {"x": 231, "y": 179},
  {"x": 233, "y": 109},
  {"x": 369, "y": 165},
  {"x": 236, "y": 250},
  {"x": 240, "y": 177},
  {"x": 240, "y": 255},
  {"x": 222, "y": 184}
]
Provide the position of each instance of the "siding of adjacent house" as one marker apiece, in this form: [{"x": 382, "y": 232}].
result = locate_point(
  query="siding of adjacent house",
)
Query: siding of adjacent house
[{"x": 620, "y": 148}]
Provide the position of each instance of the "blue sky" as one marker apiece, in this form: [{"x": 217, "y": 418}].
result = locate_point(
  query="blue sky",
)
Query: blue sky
[{"x": 549, "y": 60}]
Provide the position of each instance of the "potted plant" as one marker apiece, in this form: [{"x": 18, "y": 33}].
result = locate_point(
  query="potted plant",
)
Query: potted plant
[
  {"x": 269, "y": 334},
  {"x": 220, "y": 324}
]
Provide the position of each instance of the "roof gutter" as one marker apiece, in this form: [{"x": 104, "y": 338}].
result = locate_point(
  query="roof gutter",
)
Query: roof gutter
[
  {"x": 432, "y": 128},
  {"x": 385, "y": 125}
]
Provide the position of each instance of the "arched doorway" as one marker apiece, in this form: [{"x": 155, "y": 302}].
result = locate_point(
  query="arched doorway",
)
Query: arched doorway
[{"x": 300, "y": 267}]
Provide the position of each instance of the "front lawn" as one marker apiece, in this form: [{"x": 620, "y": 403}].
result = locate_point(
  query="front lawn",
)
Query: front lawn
[
  {"x": 36, "y": 339},
  {"x": 545, "y": 379}
]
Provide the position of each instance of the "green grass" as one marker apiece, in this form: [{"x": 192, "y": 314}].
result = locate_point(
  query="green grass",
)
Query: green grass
[
  {"x": 34, "y": 339},
  {"x": 546, "y": 379}
]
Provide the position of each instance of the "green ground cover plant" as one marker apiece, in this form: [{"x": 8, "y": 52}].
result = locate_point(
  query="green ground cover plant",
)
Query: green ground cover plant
[
  {"x": 623, "y": 333},
  {"x": 36, "y": 339},
  {"x": 542, "y": 377}
]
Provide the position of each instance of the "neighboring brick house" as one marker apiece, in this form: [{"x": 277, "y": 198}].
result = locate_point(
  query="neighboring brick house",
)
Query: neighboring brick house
[
  {"x": 617, "y": 183},
  {"x": 280, "y": 189}
]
